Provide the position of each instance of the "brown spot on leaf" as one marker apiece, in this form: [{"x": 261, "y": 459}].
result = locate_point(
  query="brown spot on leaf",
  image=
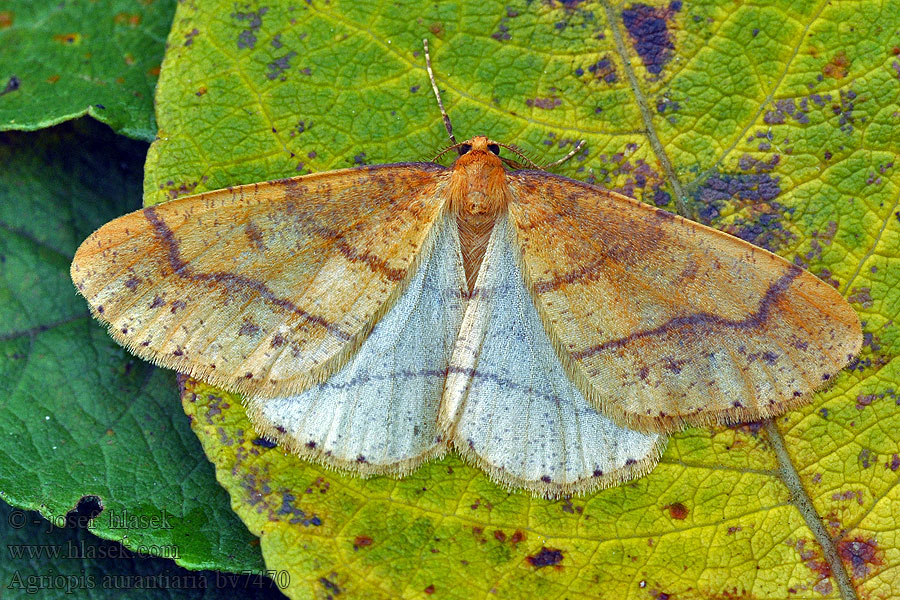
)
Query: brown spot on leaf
[
  {"x": 67, "y": 39},
  {"x": 860, "y": 555},
  {"x": 429, "y": 590},
  {"x": 545, "y": 103},
  {"x": 247, "y": 37},
  {"x": 478, "y": 534},
  {"x": 189, "y": 36},
  {"x": 279, "y": 66},
  {"x": 815, "y": 562},
  {"x": 849, "y": 495},
  {"x": 647, "y": 27},
  {"x": 751, "y": 428},
  {"x": 362, "y": 541},
  {"x": 861, "y": 296},
  {"x": 864, "y": 400},
  {"x": 894, "y": 463},
  {"x": 545, "y": 557},
  {"x": 838, "y": 66},
  {"x": 865, "y": 457},
  {"x": 677, "y": 510},
  {"x": 763, "y": 224},
  {"x": 745, "y": 188},
  {"x": 293, "y": 513},
  {"x": 130, "y": 19},
  {"x": 11, "y": 86},
  {"x": 604, "y": 69},
  {"x": 174, "y": 190},
  {"x": 329, "y": 585}
]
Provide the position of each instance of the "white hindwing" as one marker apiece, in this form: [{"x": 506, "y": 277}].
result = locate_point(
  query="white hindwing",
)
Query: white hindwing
[
  {"x": 509, "y": 405},
  {"x": 378, "y": 414}
]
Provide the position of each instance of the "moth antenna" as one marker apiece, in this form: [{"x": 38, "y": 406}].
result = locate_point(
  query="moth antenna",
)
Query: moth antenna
[
  {"x": 571, "y": 153},
  {"x": 515, "y": 164},
  {"x": 445, "y": 150},
  {"x": 512, "y": 164},
  {"x": 437, "y": 95}
]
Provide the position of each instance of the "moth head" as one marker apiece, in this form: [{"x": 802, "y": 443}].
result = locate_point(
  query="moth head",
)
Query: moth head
[
  {"x": 478, "y": 184},
  {"x": 474, "y": 148},
  {"x": 482, "y": 147},
  {"x": 479, "y": 144},
  {"x": 478, "y": 149}
]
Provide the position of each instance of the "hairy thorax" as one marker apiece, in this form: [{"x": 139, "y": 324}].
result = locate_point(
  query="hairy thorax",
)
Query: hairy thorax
[{"x": 478, "y": 195}]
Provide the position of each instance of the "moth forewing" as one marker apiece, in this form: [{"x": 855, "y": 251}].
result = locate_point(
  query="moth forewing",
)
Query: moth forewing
[
  {"x": 662, "y": 322},
  {"x": 264, "y": 289}
]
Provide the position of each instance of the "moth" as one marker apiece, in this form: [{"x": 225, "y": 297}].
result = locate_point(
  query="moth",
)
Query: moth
[{"x": 550, "y": 331}]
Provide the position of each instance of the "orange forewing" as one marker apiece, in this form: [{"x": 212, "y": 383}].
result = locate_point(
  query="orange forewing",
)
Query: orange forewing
[
  {"x": 264, "y": 288},
  {"x": 663, "y": 322}
]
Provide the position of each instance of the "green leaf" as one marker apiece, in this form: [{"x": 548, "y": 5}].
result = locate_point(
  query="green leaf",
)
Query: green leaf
[
  {"x": 79, "y": 416},
  {"x": 64, "y": 59},
  {"x": 63, "y": 560},
  {"x": 780, "y": 128}
]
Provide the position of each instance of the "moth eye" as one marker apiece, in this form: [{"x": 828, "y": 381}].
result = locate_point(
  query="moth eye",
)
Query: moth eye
[
  {"x": 494, "y": 148},
  {"x": 465, "y": 149}
]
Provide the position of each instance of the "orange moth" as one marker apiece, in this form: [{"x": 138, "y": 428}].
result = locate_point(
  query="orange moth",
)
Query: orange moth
[{"x": 550, "y": 331}]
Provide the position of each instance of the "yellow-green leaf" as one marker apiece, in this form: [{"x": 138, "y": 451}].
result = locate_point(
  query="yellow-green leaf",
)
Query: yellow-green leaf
[{"x": 775, "y": 122}]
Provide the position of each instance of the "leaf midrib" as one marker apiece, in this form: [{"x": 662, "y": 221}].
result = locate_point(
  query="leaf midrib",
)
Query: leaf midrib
[{"x": 788, "y": 473}]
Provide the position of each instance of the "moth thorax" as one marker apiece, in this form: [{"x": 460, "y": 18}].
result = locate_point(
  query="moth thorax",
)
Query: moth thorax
[
  {"x": 478, "y": 184},
  {"x": 478, "y": 195}
]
